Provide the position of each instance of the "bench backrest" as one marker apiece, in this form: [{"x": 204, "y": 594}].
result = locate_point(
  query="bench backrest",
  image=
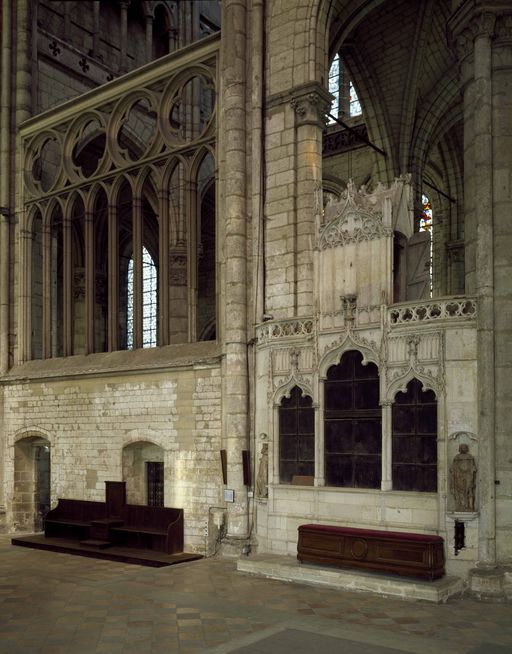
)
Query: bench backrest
[
  {"x": 150, "y": 516},
  {"x": 79, "y": 510}
]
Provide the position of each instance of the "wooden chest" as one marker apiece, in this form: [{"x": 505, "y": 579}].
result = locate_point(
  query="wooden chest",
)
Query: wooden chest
[{"x": 415, "y": 555}]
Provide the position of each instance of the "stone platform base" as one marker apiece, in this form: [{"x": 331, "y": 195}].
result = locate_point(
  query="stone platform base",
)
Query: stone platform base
[
  {"x": 115, "y": 553},
  {"x": 490, "y": 584},
  {"x": 287, "y": 568}
]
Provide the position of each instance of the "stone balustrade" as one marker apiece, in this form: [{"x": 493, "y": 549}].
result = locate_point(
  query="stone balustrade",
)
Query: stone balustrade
[
  {"x": 452, "y": 308},
  {"x": 277, "y": 329}
]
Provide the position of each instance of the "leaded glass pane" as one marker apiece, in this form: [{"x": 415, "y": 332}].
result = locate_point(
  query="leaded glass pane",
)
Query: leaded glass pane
[
  {"x": 149, "y": 302},
  {"x": 354, "y": 104}
]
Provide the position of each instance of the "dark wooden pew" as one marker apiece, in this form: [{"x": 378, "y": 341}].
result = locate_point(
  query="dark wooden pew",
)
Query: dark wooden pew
[
  {"x": 416, "y": 555},
  {"x": 150, "y": 527},
  {"x": 72, "y": 518},
  {"x": 113, "y": 522}
]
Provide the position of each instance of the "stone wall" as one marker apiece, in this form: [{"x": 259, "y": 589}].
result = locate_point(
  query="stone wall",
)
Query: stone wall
[{"x": 89, "y": 420}]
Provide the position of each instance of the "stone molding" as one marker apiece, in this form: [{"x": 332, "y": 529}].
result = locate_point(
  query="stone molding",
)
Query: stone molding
[{"x": 477, "y": 18}]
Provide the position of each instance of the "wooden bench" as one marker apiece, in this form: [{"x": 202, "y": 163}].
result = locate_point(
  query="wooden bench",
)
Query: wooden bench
[
  {"x": 415, "y": 555},
  {"x": 113, "y": 522},
  {"x": 150, "y": 527},
  {"x": 72, "y": 518}
]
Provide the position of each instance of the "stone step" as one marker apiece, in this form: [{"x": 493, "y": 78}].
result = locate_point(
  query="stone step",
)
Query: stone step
[
  {"x": 96, "y": 542},
  {"x": 287, "y": 568}
]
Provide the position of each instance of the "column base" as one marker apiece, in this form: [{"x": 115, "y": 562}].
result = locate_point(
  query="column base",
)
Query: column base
[
  {"x": 234, "y": 548},
  {"x": 487, "y": 584}
]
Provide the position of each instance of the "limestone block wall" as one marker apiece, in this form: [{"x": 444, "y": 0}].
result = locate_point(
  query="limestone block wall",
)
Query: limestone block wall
[
  {"x": 290, "y": 506},
  {"x": 89, "y": 420}
]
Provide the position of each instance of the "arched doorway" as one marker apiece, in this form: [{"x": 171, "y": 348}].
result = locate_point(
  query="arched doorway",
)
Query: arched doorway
[
  {"x": 143, "y": 472},
  {"x": 32, "y": 483}
]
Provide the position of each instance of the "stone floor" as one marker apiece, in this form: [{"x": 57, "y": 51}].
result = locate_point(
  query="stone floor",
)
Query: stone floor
[{"x": 55, "y": 603}]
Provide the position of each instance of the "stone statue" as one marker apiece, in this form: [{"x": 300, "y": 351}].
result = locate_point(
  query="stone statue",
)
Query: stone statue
[
  {"x": 262, "y": 478},
  {"x": 463, "y": 479}
]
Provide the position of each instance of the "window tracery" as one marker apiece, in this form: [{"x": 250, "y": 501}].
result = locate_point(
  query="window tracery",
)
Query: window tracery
[{"x": 127, "y": 247}]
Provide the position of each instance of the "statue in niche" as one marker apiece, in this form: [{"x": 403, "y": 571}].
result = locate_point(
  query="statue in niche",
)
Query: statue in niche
[
  {"x": 463, "y": 479},
  {"x": 262, "y": 478}
]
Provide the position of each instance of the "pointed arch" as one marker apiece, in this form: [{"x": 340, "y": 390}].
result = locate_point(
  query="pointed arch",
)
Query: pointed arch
[
  {"x": 115, "y": 188},
  {"x": 284, "y": 390},
  {"x": 400, "y": 382},
  {"x": 94, "y": 192},
  {"x": 334, "y": 353}
]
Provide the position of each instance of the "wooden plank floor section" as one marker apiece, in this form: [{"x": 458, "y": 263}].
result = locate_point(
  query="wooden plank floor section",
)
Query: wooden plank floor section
[{"x": 121, "y": 554}]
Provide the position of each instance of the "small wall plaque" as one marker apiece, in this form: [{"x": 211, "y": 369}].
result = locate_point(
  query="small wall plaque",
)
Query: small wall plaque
[{"x": 229, "y": 495}]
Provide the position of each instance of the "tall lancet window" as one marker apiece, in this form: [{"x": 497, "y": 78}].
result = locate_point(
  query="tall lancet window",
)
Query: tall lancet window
[
  {"x": 426, "y": 226},
  {"x": 346, "y": 102},
  {"x": 149, "y": 302}
]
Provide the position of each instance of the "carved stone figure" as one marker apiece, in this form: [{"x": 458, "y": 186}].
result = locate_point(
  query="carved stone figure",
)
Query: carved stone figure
[
  {"x": 463, "y": 479},
  {"x": 262, "y": 478}
]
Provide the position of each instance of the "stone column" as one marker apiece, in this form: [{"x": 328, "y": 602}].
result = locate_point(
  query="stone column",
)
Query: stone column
[
  {"x": 319, "y": 441},
  {"x": 96, "y": 28},
  {"x": 386, "y": 483},
  {"x": 123, "y": 5},
  {"x": 234, "y": 245},
  {"x": 137, "y": 273},
  {"x": 67, "y": 291},
  {"x": 47, "y": 282},
  {"x": 482, "y": 33},
  {"x": 113, "y": 277},
  {"x": 90, "y": 283},
  {"x": 163, "y": 267},
  {"x": 5, "y": 195},
  {"x": 23, "y": 96},
  {"x": 310, "y": 102},
  {"x": 24, "y": 284},
  {"x": 149, "y": 36}
]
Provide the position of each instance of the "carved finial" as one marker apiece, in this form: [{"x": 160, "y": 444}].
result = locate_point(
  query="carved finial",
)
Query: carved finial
[{"x": 351, "y": 188}]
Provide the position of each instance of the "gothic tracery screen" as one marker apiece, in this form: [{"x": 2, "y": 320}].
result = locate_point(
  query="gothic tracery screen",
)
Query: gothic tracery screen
[{"x": 120, "y": 194}]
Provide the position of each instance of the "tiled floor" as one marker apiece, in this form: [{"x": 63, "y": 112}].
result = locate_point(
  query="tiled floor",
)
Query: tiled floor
[{"x": 55, "y": 603}]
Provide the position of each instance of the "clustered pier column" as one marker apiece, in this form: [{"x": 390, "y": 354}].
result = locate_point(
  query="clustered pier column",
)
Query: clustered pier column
[
  {"x": 482, "y": 33},
  {"x": 233, "y": 210}
]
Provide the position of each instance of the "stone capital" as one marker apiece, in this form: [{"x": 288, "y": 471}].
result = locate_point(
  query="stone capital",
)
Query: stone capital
[
  {"x": 310, "y": 102},
  {"x": 479, "y": 18}
]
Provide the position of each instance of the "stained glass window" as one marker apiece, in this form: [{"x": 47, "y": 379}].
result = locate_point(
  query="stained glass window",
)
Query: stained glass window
[
  {"x": 354, "y": 104},
  {"x": 345, "y": 100},
  {"x": 426, "y": 226},
  {"x": 334, "y": 86},
  {"x": 426, "y": 215},
  {"x": 149, "y": 302}
]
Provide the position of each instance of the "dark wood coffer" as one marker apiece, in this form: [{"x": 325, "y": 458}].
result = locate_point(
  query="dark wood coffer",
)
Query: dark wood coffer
[{"x": 414, "y": 555}]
